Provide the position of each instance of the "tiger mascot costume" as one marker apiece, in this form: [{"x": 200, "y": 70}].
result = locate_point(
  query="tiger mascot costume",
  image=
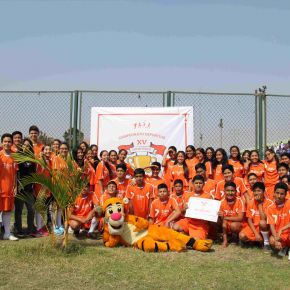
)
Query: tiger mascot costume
[{"x": 130, "y": 230}]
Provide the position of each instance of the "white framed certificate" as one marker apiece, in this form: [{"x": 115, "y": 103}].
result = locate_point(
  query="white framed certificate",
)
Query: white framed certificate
[{"x": 203, "y": 209}]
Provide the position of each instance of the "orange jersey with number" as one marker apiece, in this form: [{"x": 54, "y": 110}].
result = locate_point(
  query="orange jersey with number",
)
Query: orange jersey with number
[
  {"x": 122, "y": 187},
  {"x": 160, "y": 211},
  {"x": 140, "y": 198},
  {"x": 238, "y": 167},
  {"x": 178, "y": 173},
  {"x": 84, "y": 204},
  {"x": 8, "y": 170},
  {"x": 271, "y": 175},
  {"x": 253, "y": 210},
  {"x": 232, "y": 209},
  {"x": 258, "y": 169},
  {"x": 241, "y": 188},
  {"x": 279, "y": 215}
]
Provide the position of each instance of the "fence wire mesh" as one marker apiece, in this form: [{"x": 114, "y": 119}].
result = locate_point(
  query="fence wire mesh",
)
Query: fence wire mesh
[
  {"x": 115, "y": 99},
  {"x": 221, "y": 120},
  {"x": 278, "y": 119},
  {"x": 49, "y": 111}
]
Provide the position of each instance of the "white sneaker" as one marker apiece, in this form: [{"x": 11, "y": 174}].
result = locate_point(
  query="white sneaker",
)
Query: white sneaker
[
  {"x": 10, "y": 237},
  {"x": 70, "y": 230},
  {"x": 289, "y": 255}
]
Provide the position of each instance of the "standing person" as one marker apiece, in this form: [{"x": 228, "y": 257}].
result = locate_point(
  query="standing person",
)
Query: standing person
[
  {"x": 256, "y": 165},
  {"x": 8, "y": 187},
  {"x": 209, "y": 153},
  {"x": 84, "y": 146},
  {"x": 104, "y": 173},
  {"x": 209, "y": 184},
  {"x": 231, "y": 212},
  {"x": 95, "y": 149},
  {"x": 285, "y": 158},
  {"x": 25, "y": 169},
  {"x": 190, "y": 160},
  {"x": 256, "y": 228},
  {"x": 271, "y": 174},
  {"x": 113, "y": 160},
  {"x": 55, "y": 147},
  {"x": 278, "y": 217},
  {"x": 122, "y": 155},
  {"x": 180, "y": 170},
  {"x": 168, "y": 161},
  {"x": 89, "y": 169},
  {"x": 200, "y": 155},
  {"x": 154, "y": 180},
  {"x": 235, "y": 159},
  {"x": 252, "y": 179},
  {"x": 140, "y": 195},
  {"x": 79, "y": 157},
  {"x": 33, "y": 135},
  {"x": 17, "y": 141},
  {"x": 220, "y": 158},
  {"x": 121, "y": 180}
]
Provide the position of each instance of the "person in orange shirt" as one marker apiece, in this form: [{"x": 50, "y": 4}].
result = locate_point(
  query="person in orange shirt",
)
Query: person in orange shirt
[
  {"x": 84, "y": 146},
  {"x": 190, "y": 160},
  {"x": 200, "y": 155},
  {"x": 220, "y": 158},
  {"x": 17, "y": 141},
  {"x": 104, "y": 173},
  {"x": 252, "y": 179},
  {"x": 168, "y": 163},
  {"x": 89, "y": 168},
  {"x": 113, "y": 160},
  {"x": 33, "y": 135},
  {"x": 228, "y": 173},
  {"x": 231, "y": 213},
  {"x": 278, "y": 217},
  {"x": 111, "y": 191},
  {"x": 236, "y": 160},
  {"x": 122, "y": 155},
  {"x": 256, "y": 165},
  {"x": 8, "y": 187},
  {"x": 198, "y": 229},
  {"x": 282, "y": 169},
  {"x": 95, "y": 149},
  {"x": 83, "y": 212},
  {"x": 271, "y": 174},
  {"x": 79, "y": 157},
  {"x": 209, "y": 153},
  {"x": 209, "y": 184},
  {"x": 285, "y": 158},
  {"x": 154, "y": 180},
  {"x": 256, "y": 228},
  {"x": 140, "y": 195},
  {"x": 121, "y": 180},
  {"x": 179, "y": 196},
  {"x": 180, "y": 170},
  {"x": 286, "y": 179},
  {"x": 164, "y": 210},
  {"x": 55, "y": 147}
]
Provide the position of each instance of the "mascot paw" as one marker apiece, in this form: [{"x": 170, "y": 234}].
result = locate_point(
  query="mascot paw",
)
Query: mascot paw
[{"x": 202, "y": 245}]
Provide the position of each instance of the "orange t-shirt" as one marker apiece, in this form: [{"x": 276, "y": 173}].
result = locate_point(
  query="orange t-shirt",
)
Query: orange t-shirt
[
  {"x": 178, "y": 173},
  {"x": 167, "y": 170},
  {"x": 232, "y": 209},
  {"x": 41, "y": 170},
  {"x": 106, "y": 196},
  {"x": 217, "y": 173},
  {"x": 37, "y": 148},
  {"x": 258, "y": 169},
  {"x": 160, "y": 211},
  {"x": 191, "y": 166},
  {"x": 179, "y": 199},
  {"x": 58, "y": 163},
  {"x": 253, "y": 210},
  {"x": 279, "y": 216},
  {"x": 84, "y": 204},
  {"x": 122, "y": 187},
  {"x": 238, "y": 167},
  {"x": 271, "y": 175},
  {"x": 241, "y": 188},
  {"x": 140, "y": 198},
  {"x": 8, "y": 170},
  {"x": 208, "y": 168},
  {"x": 210, "y": 186},
  {"x": 154, "y": 182},
  {"x": 90, "y": 172}
]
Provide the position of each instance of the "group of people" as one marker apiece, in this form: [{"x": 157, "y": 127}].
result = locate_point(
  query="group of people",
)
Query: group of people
[{"x": 254, "y": 193}]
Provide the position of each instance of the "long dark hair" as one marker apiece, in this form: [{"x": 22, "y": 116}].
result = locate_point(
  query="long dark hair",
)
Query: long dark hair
[
  {"x": 107, "y": 165},
  {"x": 224, "y": 160},
  {"x": 239, "y": 157},
  {"x": 80, "y": 163},
  {"x": 184, "y": 165},
  {"x": 259, "y": 160},
  {"x": 275, "y": 155},
  {"x": 212, "y": 150}
]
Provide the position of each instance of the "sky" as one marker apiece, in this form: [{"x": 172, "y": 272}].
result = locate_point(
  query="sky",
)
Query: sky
[{"x": 221, "y": 46}]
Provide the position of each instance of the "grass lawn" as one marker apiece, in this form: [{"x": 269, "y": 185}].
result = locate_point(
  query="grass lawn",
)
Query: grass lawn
[{"x": 35, "y": 264}]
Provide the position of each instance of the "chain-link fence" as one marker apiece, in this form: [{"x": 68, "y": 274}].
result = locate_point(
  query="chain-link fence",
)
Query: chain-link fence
[
  {"x": 50, "y": 111},
  {"x": 220, "y": 120}
]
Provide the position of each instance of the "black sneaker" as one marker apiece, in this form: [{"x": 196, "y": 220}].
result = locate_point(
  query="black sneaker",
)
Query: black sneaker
[{"x": 267, "y": 249}]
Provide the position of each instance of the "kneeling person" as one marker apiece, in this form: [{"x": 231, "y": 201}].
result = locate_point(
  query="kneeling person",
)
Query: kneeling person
[
  {"x": 257, "y": 228},
  {"x": 164, "y": 209}
]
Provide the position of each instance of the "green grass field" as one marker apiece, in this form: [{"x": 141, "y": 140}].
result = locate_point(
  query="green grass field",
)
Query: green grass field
[{"x": 35, "y": 264}]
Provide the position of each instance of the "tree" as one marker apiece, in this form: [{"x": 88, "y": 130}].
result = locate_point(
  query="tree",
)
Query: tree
[
  {"x": 68, "y": 136},
  {"x": 44, "y": 138}
]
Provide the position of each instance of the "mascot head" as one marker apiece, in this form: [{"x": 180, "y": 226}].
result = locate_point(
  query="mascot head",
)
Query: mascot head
[{"x": 114, "y": 215}]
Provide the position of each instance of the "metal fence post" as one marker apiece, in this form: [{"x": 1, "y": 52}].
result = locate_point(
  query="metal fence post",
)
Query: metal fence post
[
  {"x": 75, "y": 119},
  {"x": 257, "y": 134},
  {"x": 169, "y": 99},
  {"x": 263, "y": 124}
]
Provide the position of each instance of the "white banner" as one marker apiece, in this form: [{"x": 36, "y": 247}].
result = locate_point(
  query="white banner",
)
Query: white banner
[
  {"x": 203, "y": 209},
  {"x": 143, "y": 132}
]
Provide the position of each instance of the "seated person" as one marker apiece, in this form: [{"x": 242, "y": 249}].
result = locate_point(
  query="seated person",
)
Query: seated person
[
  {"x": 231, "y": 212},
  {"x": 256, "y": 228},
  {"x": 179, "y": 195},
  {"x": 278, "y": 217},
  {"x": 164, "y": 209},
  {"x": 111, "y": 191},
  {"x": 252, "y": 179},
  {"x": 154, "y": 180},
  {"x": 83, "y": 212},
  {"x": 196, "y": 228}
]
